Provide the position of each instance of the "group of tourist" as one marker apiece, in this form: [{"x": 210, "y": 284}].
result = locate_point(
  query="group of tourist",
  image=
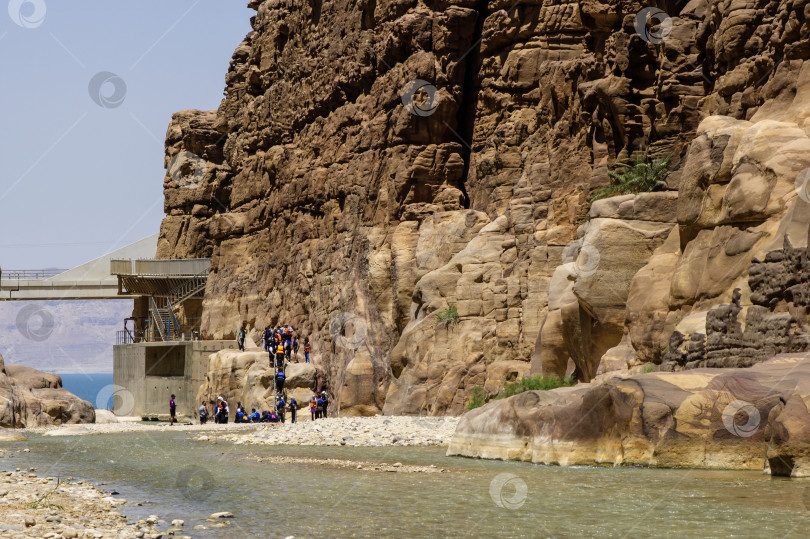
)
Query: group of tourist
[
  {"x": 281, "y": 342},
  {"x": 318, "y": 404}
]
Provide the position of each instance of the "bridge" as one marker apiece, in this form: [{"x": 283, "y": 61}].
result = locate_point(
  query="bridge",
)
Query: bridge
[
  {"x": 161, "y": 289},
  {"x": 91, "y": 280}
]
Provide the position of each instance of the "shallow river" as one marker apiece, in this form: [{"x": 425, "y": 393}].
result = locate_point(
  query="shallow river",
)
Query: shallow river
[{"x": 186, "y": 479}]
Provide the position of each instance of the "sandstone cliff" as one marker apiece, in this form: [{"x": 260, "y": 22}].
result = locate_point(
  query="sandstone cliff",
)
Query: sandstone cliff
[{"x": 334, "y": 197}]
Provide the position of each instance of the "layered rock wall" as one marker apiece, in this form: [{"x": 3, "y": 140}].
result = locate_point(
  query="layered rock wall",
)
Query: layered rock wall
[{"x": 335, "y": 197}]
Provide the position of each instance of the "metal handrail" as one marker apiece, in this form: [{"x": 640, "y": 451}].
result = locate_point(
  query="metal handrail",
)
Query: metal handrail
[
  {"x": 161, "y": 267},
  {"x": 30, "y": 275}
]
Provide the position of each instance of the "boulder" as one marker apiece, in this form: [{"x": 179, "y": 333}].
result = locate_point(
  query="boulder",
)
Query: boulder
[
  {"x": 753, "y": 418},
  {"x": 30, "y": 398}
]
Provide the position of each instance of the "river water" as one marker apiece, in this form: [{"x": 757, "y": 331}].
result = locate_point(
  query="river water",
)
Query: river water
[{"x": 175, "y": 476}]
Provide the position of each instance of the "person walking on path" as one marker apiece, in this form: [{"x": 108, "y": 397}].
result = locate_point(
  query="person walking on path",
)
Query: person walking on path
[
  {"x": 241, "y": 338},
  {"x": 293, "y": 409},
  {"x": 172, "y": 410},
  {"x": 325, "y": 399},
  {"x": 307, "y": 349},
  {"x": 313, "y": 406},
  {"x": 295, "y": 348},
  {"x": 319, "y": 408}
]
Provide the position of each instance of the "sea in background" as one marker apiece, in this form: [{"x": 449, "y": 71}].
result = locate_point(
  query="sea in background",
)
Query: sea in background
[{"x": 89, "y": 386}]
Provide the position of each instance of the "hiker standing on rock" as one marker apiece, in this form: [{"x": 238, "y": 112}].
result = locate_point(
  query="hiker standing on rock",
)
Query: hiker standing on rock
[
  {"x": 307, "y": 349},
  {"x": 313, "y": 406},
  {"x": 241, "y": 338}
]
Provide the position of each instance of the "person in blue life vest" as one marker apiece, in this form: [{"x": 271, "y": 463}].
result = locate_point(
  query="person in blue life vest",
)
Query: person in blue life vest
[
  {"x": 254, "y": 416},
  {"x": 325, "y": 399},
  {"x": 280, "y": 377},
  {"x": 281, "y": 408},
  {"x": 293, "y": 409},
  {"x": 172, "y": 410}
]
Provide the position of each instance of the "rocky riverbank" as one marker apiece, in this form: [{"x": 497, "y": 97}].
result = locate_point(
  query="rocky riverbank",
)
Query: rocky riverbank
[
  {"x": 746, "y": 419},
  {"x": 376, "y": 431},
  {"x": 32, "y": 506}
]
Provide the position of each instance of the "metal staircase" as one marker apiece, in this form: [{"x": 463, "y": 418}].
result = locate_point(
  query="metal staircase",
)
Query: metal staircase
[{"x": 168, "y": 284}]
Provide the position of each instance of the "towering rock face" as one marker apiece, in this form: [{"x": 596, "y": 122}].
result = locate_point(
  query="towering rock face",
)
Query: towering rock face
[{"x": 374, "y": 163}]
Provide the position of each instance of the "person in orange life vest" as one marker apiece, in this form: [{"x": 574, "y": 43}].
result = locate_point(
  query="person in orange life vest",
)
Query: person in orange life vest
[{"x": 280, "y": 356}]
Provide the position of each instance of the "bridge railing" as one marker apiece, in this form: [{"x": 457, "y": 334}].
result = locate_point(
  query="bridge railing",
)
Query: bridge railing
[
  {"x": 185, "y": 266},
  {"x": 188, "y": 330},
  {"x": 29, "y": 275}
]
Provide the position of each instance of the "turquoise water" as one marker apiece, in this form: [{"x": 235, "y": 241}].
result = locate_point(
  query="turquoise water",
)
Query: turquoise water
[
  {"x": 175, "y": 476},
  {"x": 88, "y": 386}
]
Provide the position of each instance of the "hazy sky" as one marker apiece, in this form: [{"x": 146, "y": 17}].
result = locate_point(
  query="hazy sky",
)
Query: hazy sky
[{"x": 81, "y": 175}]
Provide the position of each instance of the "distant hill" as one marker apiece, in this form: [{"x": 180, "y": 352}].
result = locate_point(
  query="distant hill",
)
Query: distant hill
[{"x": 62, "y": 336}]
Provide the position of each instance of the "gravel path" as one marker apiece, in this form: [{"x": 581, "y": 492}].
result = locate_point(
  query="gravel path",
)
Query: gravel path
[{"x": 374, "y": 431}]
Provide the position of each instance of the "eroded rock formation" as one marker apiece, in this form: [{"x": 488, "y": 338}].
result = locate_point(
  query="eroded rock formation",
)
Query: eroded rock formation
[
  {"x": 330, "y": 202},
  {"x": 30, "y": 398},
  {"x": 710, "y": 418}
]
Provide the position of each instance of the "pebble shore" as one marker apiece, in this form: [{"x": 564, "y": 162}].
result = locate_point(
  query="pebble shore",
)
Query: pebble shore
[
  {"x": 32, "y": 506},
  {"x": 376, "y": 431}
]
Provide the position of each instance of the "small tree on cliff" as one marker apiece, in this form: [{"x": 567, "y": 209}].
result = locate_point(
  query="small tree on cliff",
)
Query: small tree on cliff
[{"x": 640, "y": 176}]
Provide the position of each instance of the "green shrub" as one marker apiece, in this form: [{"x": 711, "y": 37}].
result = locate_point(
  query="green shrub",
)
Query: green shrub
[
  {"x": 648, "y": 369},
  {"x": 535, "y": 383},
  {"x": 640, "y": 176},
  {"x": 477, "y": 399},
  {"x": 448, "y": 316}
]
